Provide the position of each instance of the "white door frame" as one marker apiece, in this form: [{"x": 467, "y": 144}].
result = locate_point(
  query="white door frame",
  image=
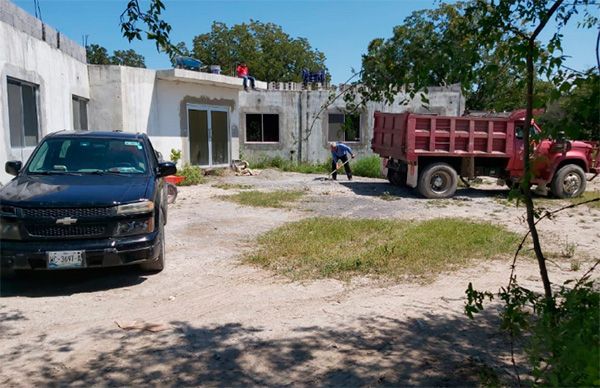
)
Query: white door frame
[{"x": 208, "y": 109}]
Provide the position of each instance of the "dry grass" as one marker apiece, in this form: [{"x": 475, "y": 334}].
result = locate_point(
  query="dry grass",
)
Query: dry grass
[
  {"x": 340, "y": 248},
  {"x": 588, "y": 195},
  {"x": 276, "y": 199},
  {"x": 232, "y": 186}
]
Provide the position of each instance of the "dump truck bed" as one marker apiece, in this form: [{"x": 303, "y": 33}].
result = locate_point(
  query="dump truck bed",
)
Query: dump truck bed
[{"x": 406, "y": 136}]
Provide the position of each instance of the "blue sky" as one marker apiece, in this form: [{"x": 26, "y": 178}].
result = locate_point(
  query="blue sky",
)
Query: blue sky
[{"x": 341, "y": 29}]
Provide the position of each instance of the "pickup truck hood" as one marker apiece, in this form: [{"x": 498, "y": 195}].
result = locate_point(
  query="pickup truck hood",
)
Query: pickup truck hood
[{"x": 74, "y": 190}]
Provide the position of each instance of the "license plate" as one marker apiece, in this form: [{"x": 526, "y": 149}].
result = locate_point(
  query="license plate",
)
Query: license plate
[{"x": 65, "y": 259}]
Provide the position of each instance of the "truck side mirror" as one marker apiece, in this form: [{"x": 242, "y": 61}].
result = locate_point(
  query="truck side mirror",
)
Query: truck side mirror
[
  {"x": 13, "y": 167},
  {"x": 166, "y": 168}
]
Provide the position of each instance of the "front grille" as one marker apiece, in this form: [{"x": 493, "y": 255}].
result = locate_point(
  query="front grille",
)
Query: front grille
[
  {"x": 78, "y": 212},
  {"x": 66, "y": 231}
]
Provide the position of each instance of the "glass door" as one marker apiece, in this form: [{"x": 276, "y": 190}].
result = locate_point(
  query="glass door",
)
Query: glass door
[{"x": 208, "y": 135}]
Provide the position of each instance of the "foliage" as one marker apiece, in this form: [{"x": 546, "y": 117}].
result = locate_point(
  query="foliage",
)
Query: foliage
[
  {"x": 98, "y": 55},
  {"x": 561, "y": 334},
  {"x": 341, "y": 248},
  {"x": 290, "y": 166},
  {"x": 369, "y": 166},
  {"x": 180, "y": 49},
  {"x": 276, "y": 199},
  {"x": 134, "y": 18},
  {"x": 270, "y": 53},
  {"x": 127, "y": 58},
  {"x": 577, "y": 111},
  {"x": 175, "y": 155},
  {"x": 193, "y": 175},
  {"x": 440, "y": 47}
]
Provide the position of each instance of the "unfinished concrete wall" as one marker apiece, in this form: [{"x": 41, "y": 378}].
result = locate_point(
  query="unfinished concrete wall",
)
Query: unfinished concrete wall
[
  {"x": 105, "y": 107},
  {"x": 156, "y": 103},
  {"x": 173, "y": 100},
  {"x": 304, "y": 124},
  {"x": 37, "y": 54}
]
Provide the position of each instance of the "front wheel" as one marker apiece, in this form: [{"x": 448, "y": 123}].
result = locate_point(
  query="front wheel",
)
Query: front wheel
[
  {"x": 568, "y": 182},
  {"x": 157, "y": 264},
  {"x": 438, "y": 180}
]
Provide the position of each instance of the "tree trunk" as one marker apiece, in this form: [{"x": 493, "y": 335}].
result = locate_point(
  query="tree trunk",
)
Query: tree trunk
[{"x": 526, "y": 183}]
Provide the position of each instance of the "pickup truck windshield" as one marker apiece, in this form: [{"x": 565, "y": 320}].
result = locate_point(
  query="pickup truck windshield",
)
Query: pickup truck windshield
[{"x": 89, "y": 156}]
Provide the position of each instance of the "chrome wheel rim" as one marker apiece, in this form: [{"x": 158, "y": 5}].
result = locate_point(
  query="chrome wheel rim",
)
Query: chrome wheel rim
[
  {"x": 439, "y": 182},
  {"x": 571, "y": 183}
]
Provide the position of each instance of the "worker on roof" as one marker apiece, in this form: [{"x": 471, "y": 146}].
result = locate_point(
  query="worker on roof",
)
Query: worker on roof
[{"x": 243, "y": 72}]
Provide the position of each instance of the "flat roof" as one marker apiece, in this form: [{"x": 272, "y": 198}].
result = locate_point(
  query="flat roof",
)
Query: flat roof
[{"x": 198, "y": 77}]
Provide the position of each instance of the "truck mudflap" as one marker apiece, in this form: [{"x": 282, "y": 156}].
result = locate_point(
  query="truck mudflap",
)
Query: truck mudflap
[{"x": 412, "y": 176}]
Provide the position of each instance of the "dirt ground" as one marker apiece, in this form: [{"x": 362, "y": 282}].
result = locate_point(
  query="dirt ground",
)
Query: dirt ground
[{"x": 229, "y": 324}]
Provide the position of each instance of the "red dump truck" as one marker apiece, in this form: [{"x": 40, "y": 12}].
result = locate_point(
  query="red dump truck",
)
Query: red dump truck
[{"x": 432, "y": 152}]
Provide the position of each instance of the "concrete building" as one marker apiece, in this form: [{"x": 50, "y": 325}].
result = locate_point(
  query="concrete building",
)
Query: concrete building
[
  {"x": 43, "y": 83},
  {"x": 47, "y": 86}
]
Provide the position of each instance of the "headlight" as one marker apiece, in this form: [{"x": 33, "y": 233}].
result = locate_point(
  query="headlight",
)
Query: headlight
[
  {"x": 129, "y": 228},
  {"x": 8, "y": 211},
  {"x": 135, "y": 208},
  {"x": 9, "y": 231}
]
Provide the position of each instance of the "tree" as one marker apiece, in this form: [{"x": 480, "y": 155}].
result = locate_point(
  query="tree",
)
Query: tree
[
  {"x": 576, "y": 112},
  {"x": 519, "y": 23},
  {"x": 97, "y": 55},
  {"x": 270, "y": 53},
  {"x": 127, "y": 58},
  {"x": 157, "y": 29},
  {"x": 433, "y": 47}
]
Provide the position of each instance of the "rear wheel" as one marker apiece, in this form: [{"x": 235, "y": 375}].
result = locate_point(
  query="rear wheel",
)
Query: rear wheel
[
  {"x": 568, "y": 182},
  {"x": 158, "y": 264},
  {"x": 396, "y": 177},
  {"x": 438, "y": 180}
]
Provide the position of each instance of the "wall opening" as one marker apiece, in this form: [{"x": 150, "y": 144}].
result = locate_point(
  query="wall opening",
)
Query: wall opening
[
  {"x": 342, "y": 127},
  {"x": 23, "y": 113},
  {"x": 262, "y": 128}
]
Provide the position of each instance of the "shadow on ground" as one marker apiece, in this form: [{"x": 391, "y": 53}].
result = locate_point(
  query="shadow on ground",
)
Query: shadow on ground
[
  {"x": 69, "y": 282},
  {"x": 436, "y": 350},
  {"x": 377, "y": 189}
]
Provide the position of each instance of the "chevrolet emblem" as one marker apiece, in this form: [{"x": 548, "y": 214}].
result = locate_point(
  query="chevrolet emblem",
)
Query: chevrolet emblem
[{"x": 66, "y": 221}]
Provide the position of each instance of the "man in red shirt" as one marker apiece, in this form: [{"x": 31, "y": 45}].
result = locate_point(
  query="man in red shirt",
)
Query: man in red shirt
[{"x": 242, "y": 72}]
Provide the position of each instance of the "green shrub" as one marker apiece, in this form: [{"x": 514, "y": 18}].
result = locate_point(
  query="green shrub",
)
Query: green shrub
[
  {"x": 175, "y": 155},
  {"x": 561, "y": 337},
  {"x": 290, "y": 166},
  {"x": 369, "y": 166},
  {"x": 193, "y": 175}
]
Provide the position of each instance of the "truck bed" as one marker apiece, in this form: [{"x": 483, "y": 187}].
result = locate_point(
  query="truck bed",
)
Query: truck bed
[{"x": 406, "y": 136}]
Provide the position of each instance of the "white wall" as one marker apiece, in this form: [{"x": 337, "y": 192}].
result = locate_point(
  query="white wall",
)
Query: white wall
[
  {"x": 59, "y": 72},
  {"x": 171, "y": 102},
  {"x": 138, "y": 100}
]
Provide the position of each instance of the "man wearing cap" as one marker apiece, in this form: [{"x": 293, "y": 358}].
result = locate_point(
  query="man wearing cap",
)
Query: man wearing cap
[{"x": 340, "y": 151}]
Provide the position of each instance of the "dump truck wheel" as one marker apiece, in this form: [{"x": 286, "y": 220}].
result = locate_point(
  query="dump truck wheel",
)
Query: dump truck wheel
[
  {"x": 438, "y": 180},
  {"x": 568, "y": 182},
  {"x": 396, "y": 178}
]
